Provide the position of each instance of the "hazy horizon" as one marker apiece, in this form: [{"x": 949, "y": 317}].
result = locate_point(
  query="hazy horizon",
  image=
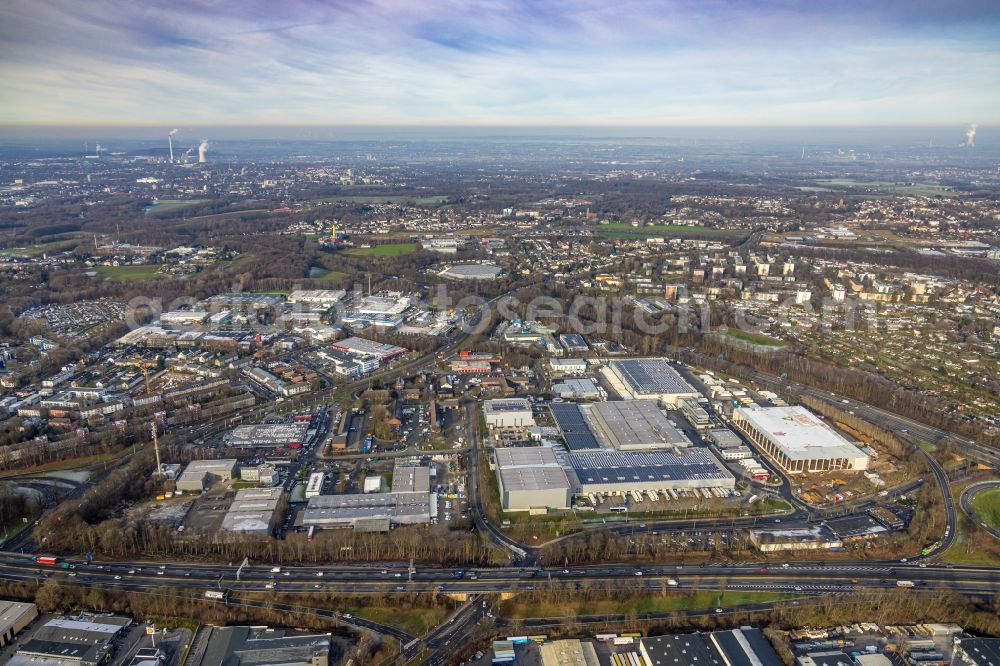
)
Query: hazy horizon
[
  {"x": 500, "y": 62},
  {"x": 943, "y": 131}
]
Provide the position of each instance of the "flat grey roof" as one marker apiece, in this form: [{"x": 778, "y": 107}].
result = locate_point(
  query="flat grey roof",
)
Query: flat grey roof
[
  {"x": 226, "y": 464},
  {"x": 530, "y": 468},
  {"x": 337, "y": 508},
  {"x": 267, "y": 434},
  {"x": 13, "y": 610},
  {"x": 525, "y": 456},
  {"x": 533, "y": 478},
  {"x": 725, "y": 438},
  {"x": 406, "y": 479},
  {"x": 635, "y": 424},
  {"x": 584, "y": 386},
  {"x": 472, "y": 270}
]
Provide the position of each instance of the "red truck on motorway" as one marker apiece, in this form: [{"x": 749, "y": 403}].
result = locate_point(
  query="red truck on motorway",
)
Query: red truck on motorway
[{"x": 50, "y": 561}]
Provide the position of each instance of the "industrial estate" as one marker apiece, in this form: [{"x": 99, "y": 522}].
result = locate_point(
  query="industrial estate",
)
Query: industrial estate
[{"x": 417, "y": 395}]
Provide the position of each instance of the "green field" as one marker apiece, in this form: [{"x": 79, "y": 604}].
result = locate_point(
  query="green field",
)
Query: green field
[
  {"x": 753, "y": 338},
  {"x": 320, "y": 273},
  {"x": 416, "y": 621},
  {"x": 163, "y": 206},
  {"x": 888, "y": 187},
  {"x": 986, "y": 504},
  {"x": 625, "y": 230},
  {"x": 38, "y": 250},
  {"x": 962, "y": 553},
  {"x": 386, "y": 250},
  {"x": 387, "y": 199},
  {"x": 128, "y": 273},
  {"x": 675, "y": 601}
]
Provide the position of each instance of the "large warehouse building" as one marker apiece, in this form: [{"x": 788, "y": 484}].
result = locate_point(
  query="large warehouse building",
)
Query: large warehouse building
[
  {"x": 737, "y": 647},
  {"x": 472, "y": 272},
  {"x": 531, "y": 478},
  {"x": 578, "y": 389},
  {"x": 374, "y": 512},
  {"x": 648, "y": 379},
  {"x": 248, "y": 646},
  {"x": 410, "y": 502},
  {"x": 199, "y": 474},
  {"x": 798, "y": 440},
  {"x": 619, "y": 472},
  {"x": 254, "y": 511},
  {"x": 369, "y": 349},
  {"x": 508, "y": 413},
  {"x": 14, "y": 616},
  {"x": 85, "y": 639},
  {"x": 268, "y": 435},
  {"x": 626, "y": 425},
  {"x": 630, "y": 425}
]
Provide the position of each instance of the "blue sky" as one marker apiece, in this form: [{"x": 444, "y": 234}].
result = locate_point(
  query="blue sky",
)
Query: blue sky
[{"x": 500, "y": 62}]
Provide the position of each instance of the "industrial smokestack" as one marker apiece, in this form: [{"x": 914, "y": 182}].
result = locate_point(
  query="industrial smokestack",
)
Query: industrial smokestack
[
  {"x": 970, "y": 136},
  {"x": 170, "y": 143},
  {"x": 202, "y": 150}
]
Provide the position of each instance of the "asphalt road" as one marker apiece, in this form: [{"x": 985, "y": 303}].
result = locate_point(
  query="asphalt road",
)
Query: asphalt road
[
  {"x": 196, "y": 578},
  {"x": 520, "y": 553}
]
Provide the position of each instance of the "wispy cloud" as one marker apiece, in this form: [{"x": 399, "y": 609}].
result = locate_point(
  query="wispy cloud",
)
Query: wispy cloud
[{"x": 499, "y": 62}]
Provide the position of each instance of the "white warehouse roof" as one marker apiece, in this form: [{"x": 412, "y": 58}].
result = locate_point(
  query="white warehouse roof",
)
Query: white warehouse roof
[{"x": 799, "y": 433}]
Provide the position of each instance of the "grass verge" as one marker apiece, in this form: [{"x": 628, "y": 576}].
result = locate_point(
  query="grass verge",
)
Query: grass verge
[
  {"x": 386, "y": 250},
  {"x": 639, "y": 605}
]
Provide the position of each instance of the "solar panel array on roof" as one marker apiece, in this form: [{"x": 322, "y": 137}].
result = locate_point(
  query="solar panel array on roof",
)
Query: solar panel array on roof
[
  {"x": 646, "y": 466},
  {"x": 572, "y": 341},
  {"x": 575, "y": 431},
  {"x": 651, "y": 376},
  {"x": 509, "y": 405}
]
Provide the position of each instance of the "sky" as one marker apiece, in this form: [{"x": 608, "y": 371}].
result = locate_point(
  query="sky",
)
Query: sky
[{"x": 500, "y": 62}]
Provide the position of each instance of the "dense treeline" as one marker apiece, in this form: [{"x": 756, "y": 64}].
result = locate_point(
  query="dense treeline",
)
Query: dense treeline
[
  {"x": 125, "y": 537},
  {"x": 15, "y": 508}
]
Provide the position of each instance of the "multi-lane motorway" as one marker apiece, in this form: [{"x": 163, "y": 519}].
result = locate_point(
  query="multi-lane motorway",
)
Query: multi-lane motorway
[
  {"x": 809, "y": 576},
  {"x": 255, "y": 585}
]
